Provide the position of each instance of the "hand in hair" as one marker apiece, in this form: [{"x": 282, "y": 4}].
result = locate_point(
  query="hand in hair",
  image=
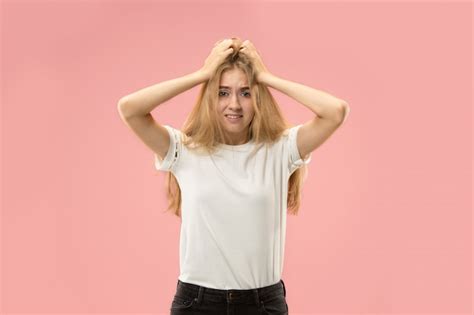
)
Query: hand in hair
[
  {"x": 248, "y": 49},
  {"x": 219, "y": 53}
]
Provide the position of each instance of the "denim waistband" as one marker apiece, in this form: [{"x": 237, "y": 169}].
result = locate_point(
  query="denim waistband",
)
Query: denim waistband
[{"x": 198, "y": 292}]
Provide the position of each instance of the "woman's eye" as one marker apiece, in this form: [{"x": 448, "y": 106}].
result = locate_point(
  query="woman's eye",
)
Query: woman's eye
[{"x": 245, "y": 93}]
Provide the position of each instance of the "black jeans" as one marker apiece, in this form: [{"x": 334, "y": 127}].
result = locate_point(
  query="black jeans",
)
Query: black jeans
[{"x": 193, "y": 299}]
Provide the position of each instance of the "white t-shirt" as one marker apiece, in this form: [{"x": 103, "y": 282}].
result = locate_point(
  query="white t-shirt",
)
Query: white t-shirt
[{"x": 233, "y": 210}]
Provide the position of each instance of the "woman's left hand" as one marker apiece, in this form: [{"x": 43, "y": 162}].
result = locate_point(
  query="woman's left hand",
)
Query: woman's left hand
[{"x": 248, "y": 49}]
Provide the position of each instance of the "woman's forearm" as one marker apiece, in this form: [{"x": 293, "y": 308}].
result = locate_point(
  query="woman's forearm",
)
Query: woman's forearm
[
  {"x": 321, "y": 103},
  {"x": 143, "y": 101}
]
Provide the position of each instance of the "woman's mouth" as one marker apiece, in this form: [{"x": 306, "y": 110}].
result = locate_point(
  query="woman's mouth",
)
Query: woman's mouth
[{"x": 233, "y": 118}]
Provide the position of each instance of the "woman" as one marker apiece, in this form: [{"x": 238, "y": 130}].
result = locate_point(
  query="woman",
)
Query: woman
[{"x": 233, "y": 171}]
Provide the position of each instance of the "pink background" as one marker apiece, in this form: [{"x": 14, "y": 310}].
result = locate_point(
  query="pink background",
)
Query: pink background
[{"x": 385, "y": 224}]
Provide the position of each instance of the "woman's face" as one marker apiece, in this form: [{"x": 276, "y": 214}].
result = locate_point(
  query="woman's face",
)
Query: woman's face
[{"x": 235, "y": 99}]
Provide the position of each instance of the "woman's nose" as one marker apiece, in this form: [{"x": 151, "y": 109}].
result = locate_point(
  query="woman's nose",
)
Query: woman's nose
[
  {"x": 235, "y": 106},
  {"x": 234, "y": 102}
]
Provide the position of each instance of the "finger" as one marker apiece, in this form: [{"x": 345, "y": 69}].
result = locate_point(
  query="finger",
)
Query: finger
[{"x": 221, "y": 40}]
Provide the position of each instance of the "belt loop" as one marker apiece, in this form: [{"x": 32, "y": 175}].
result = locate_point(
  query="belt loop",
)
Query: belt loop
[
  {"x": 257, "y": 298},
  {"x": 284, "y": 289},
  {"x": 200, "y": 294}
]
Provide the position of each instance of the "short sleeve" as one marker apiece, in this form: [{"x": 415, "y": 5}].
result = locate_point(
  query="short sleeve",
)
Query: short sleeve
[
  {"x": 295, "y": 161},
  {"x": 172, "y": 158}
]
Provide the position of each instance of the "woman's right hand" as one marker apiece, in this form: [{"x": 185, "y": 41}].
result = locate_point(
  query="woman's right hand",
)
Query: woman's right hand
[{"x": 217, "y": 56}]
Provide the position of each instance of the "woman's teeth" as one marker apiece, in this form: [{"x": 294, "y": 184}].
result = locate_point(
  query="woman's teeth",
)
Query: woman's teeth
[{"x": 233, "y": 118}]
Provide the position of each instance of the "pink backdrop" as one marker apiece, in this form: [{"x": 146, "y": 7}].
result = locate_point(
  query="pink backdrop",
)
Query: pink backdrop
[{"x": 385, "y": 224}]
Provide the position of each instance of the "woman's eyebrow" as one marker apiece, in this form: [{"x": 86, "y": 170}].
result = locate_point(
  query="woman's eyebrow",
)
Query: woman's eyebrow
[{"x": 226, "y": 87}]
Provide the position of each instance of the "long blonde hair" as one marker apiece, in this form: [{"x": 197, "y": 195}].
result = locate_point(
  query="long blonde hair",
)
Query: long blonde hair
[{"x": 203, "y": 129}]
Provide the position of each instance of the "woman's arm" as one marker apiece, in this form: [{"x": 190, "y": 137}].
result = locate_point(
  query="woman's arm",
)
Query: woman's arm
[
  {"x": 142, "y": 102},
  {"x": 331, "y": 112},
  {"x": 321, "y": 103}
]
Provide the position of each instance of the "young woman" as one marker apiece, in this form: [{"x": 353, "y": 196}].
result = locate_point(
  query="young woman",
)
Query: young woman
[{"x": 233, "y": 171}]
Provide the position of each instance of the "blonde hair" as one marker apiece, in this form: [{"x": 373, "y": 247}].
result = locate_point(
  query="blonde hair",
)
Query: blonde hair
[{"x": 203, "y": 130}]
